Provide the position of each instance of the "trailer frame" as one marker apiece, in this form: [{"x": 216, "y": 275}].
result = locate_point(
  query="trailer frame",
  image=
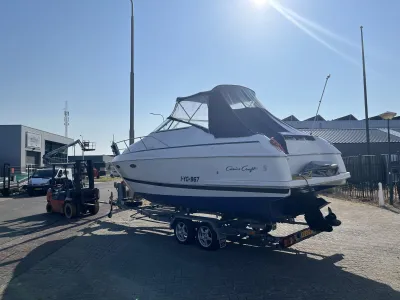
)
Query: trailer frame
[{"x": 210, "y": 231}]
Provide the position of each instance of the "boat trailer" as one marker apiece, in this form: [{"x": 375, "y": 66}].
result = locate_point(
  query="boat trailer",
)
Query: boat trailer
[{"x": 210, "y": 231}]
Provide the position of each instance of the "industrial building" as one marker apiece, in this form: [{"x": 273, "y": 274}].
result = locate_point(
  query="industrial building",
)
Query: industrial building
[
  {"x": 100, "y": 162},
  {"x": 23, "y": 145},
  {"x": 348, "y": 134}
]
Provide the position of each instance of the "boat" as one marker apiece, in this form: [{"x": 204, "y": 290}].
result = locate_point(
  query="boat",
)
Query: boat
[{"x": 222, "y": 151}]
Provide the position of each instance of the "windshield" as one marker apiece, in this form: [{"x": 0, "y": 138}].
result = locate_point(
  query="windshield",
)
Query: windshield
[
  {"x": 43, "y": 173},
  {"x": 193, "y": 110},
  {"x": 187, "y": 112}
]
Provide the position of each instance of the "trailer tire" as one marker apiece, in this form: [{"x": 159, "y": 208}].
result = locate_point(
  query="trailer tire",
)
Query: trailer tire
[
  {"x": 69, "y": 210},
  {"x": 94, "y": 209},
  {"x": 184, "y": 231},
  {"x": 207, "y": 238},
  {"x": 49, "y": 208}
]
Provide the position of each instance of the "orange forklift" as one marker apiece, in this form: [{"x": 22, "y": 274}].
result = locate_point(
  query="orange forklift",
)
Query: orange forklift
[{"x": 70, "y": 196}]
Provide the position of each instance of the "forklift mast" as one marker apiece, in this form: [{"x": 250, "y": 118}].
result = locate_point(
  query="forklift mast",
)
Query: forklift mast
[
  {"x": 78, "y": 170},
  {"x": 89, "y": 168}
]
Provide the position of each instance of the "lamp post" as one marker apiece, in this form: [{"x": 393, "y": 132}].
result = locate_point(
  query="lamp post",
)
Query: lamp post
[
  {"x": 365, "y": 95},
  {"x": 388, "y": 116},
  {"x": 158, "y": 115},
  {"x": 132, "y": 94}
]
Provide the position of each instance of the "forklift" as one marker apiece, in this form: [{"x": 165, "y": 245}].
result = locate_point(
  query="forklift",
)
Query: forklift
[{"x": 71, "y": 196}]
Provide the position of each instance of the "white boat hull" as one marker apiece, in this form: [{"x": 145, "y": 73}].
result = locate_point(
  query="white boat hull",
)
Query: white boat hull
[
  {"x": 217, "y": 180},
  {"x": 221, "y": 151}
]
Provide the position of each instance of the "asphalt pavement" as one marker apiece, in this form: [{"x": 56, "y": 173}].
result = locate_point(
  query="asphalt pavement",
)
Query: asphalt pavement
[
  {"x": 48, "y": 257},
  {"x": 25, "y": 225}
]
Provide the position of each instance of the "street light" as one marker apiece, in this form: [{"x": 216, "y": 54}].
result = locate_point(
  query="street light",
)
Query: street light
[
  {"x": 158, "y": 115},
  {"x": 132, "y": 94},
  {"x": 365, "y": 97},
  {"x": 388, "y": 116}
]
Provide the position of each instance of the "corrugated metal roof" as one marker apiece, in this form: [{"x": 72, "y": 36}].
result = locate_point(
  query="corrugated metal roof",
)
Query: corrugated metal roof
[
  {"x": 354, "y": 124},
  {"x": 346, "y": 118},
  {"x": 290, "y": 118},
  {"x": 318, "y": 118},
  {"x": 353, "y": 136},
  {"x": 392, "y": 132}
]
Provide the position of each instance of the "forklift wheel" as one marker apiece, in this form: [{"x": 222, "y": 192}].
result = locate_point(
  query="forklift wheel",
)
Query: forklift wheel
[
  {"x": 49, "y": 209},
  {"x": 94, "y": 209},
  {"x": 69, "y": 210}
]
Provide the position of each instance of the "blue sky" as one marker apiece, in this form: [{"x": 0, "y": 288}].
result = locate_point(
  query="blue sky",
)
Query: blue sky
[{"x": 79, "y": 51}]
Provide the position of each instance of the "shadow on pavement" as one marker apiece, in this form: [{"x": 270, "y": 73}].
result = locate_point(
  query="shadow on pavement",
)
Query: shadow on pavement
[
  {"x": 28, "y": 224},
  {"x": 116, "y": 262},
  {"x": 61, "y": 224},
  {"x": 393, "y": 209}
]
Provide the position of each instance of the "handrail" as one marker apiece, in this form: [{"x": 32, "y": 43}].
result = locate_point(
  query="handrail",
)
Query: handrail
[{"x": 141, "y": 139}]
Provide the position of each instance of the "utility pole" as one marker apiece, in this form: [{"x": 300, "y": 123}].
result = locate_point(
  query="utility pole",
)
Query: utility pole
[
  {"x": 132, "y": 94},
  {"x": 365, "y": 93}
]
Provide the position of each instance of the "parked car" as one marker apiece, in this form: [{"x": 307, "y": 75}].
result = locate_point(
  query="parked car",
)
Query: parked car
[{"x": 40, "y": 181}]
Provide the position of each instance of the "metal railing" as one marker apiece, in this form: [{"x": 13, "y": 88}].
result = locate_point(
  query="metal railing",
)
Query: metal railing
[
  {"x": 141, "y": 140},
  {"x": 366, "y": 172}
]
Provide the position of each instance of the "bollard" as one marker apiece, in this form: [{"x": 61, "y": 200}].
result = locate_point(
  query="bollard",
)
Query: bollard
[{"x": 380, "y": 195}]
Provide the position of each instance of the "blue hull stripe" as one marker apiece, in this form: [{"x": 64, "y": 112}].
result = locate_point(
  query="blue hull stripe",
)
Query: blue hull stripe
[
  {"x": 215, "y": 188},
  {"x": 247, "y": 207}
]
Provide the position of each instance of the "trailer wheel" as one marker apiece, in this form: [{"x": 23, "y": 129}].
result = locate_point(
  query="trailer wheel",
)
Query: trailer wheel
[
  {"x": 69, "y": 210},
  {"x": 184, "y": 231},
  {"x": 206, "y": 237},
  {"x": 49, "y": 208},
  {"x": 94, "y": 209}
]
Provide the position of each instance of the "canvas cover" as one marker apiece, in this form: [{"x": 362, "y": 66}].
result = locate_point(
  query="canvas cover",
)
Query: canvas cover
[{"x": 229, "y": 111}]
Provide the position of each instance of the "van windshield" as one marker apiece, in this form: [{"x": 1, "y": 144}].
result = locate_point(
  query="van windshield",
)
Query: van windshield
[{"x": 43, "y": 173}]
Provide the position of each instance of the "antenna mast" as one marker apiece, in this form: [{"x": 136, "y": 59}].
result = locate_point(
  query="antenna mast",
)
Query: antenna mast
[
  {"x": 320, "y": 100},
  {"x": 66, "y": 118}
]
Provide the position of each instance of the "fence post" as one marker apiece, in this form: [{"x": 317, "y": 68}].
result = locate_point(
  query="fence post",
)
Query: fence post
[{"x": 380, "y": 195}]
